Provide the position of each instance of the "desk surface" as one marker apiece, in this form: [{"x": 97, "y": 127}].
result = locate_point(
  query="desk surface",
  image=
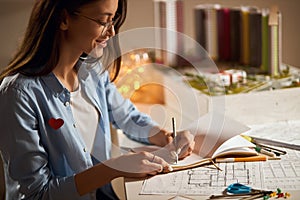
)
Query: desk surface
[
  {"x": 276, "y": 130},
  {"x": 265, "y": 107},
  {"x": 134, "y": 187}
]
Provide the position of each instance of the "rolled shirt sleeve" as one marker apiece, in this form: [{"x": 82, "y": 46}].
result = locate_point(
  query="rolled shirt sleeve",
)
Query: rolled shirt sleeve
[{"x": 126, "y": 116}]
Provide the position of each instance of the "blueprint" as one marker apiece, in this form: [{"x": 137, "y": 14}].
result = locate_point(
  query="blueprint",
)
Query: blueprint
[{"x": 272, "y": 174}]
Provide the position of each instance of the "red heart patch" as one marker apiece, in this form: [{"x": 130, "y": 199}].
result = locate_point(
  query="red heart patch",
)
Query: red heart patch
[{"x": 55, "y": 123}]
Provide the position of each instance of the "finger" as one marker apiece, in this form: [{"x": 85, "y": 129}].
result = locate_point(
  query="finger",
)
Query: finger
[
  {"x": 154, "y": 168},
  {"x": 186, "y": 150},
  {"x": 153, "y": 158},
  {"x": 178, "y": 151},
  {"x": 158, "y": 163},
  {"x": 173, "y": 154},
  {"x": 184, "y": 140},
  {"x": 167, "y": 169},
  {"x": 159, "y": 160},
  {"x": 183, "y": 149},
  {"x": 169, "y": 138}
]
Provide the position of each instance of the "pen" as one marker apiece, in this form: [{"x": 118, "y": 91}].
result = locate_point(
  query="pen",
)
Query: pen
[
  {"x": 278, "y": 152},
  {"x": 263, "y": 151},
  {"x": 174, "y": 135},
  {"x": 274, "y": 142},
  {"x": 259, "y": 142},
  {"x": 242, "y": 159}
]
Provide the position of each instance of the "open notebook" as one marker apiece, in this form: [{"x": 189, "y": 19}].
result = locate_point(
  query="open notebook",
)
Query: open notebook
[
  {"x": 215, "y": 136},
  {"x": 236, "y": 146}
]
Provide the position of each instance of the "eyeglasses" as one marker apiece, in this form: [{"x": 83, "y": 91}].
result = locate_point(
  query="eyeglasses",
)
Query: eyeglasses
[{"x": 106, "y": 25}]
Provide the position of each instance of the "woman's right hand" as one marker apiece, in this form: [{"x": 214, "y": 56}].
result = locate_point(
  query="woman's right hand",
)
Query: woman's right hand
[
  {"x": 138, "y": 165},
  {"x": 131, "y": 165}
]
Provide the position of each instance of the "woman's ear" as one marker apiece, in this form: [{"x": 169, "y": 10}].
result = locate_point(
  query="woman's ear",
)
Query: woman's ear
[{"x": 64, "y": 20}]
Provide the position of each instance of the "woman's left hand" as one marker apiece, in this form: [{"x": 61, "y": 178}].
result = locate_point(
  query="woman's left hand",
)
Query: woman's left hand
[{"x": 183, "y": 144}]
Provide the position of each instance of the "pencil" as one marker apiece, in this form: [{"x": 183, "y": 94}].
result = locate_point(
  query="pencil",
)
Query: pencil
[
  {"x": 275, "y": 143},
  {"x": 243, "y": 159},
  {"x": 174, "y": 135},
  {"x": 256, "y": 141}
]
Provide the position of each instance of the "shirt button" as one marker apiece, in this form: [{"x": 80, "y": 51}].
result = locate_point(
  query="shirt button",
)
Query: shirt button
[
  {"x": 67, "y": 103},
  {"x": 84, "y": 149},
  {"x": 74, "y": 125}
]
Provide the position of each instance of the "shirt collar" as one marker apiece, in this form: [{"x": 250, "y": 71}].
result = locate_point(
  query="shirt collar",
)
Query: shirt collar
[
  {"x": 53, "y": 83},
  {"x": 57, "y": 87}
]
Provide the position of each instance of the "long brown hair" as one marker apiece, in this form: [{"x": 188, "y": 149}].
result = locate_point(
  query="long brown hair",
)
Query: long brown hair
[{"x": 38, "y": 53}]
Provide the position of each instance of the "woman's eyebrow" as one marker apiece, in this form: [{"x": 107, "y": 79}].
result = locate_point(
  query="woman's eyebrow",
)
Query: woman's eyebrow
[{"x": 108, "y": 14}]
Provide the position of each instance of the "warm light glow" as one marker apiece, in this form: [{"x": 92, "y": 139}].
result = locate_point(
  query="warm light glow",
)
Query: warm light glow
[{"x": 133, "y": 63}]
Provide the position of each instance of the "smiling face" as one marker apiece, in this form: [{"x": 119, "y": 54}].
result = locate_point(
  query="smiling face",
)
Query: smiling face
[{"x": 82, "y": 34}]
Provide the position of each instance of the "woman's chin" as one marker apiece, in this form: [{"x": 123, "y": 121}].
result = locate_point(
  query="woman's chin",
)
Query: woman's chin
[{"x": 96, "y": 52}]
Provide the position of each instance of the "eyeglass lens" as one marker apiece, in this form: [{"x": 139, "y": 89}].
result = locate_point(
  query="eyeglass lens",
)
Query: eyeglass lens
[{"x": 110, "y": 24}]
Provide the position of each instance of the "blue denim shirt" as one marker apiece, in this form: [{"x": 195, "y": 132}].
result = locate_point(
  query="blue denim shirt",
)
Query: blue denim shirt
[{"x": 44, "y": 156}]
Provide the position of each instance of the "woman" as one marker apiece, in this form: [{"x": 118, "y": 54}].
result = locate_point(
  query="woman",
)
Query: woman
[{"x": 57, "y": 102}]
